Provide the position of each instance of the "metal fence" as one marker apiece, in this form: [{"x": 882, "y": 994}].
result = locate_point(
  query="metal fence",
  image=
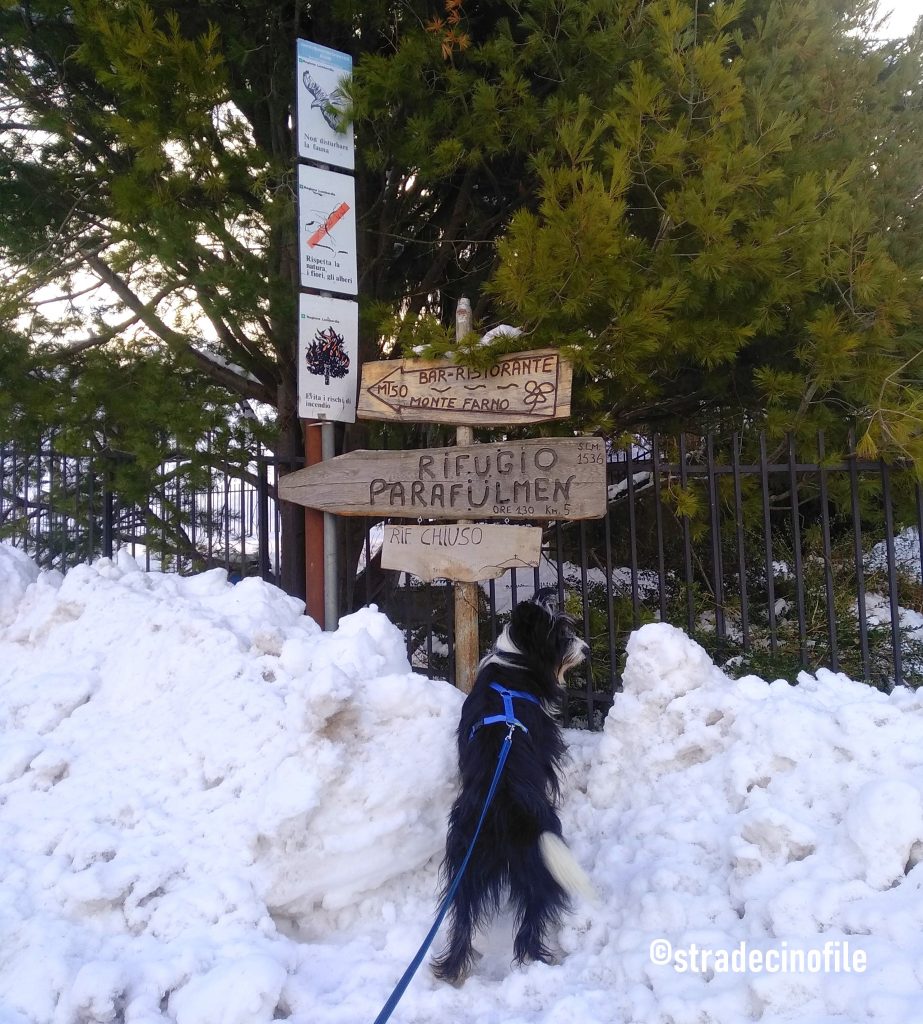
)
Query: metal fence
[
  {"x": 773, "y": 560},
  {"x": 203, "y": 513}
]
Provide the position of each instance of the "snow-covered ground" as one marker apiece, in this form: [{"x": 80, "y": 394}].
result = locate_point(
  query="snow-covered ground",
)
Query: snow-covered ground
[
  {"x": 213, "y": 813},
  {"x": 906, "y": 553}
]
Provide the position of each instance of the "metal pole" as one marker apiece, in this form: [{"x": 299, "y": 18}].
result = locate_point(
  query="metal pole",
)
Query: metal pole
[
  {"x": 467, "y": 648},
  {"x": 331, "y": 603},
  {"x": 314, "y": 534}
]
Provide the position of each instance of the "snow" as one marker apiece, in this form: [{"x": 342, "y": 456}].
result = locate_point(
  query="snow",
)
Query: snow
[
  {"x": 213, "y": 813},
  {"x": 486, "y": 341},
  {"x": 906, "y": 553},
  {"x": 501, "y": 331}
]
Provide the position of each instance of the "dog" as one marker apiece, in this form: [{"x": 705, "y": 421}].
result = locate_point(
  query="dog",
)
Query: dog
[{"x": 519, "y": 849}]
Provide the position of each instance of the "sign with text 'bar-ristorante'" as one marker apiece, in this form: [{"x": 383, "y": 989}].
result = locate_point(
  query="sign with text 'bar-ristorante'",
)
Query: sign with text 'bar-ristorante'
[{"x": 524, "y": 387}]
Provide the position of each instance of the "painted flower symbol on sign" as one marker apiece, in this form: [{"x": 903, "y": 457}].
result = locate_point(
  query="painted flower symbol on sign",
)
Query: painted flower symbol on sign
[{"x": 537, "y": 393}]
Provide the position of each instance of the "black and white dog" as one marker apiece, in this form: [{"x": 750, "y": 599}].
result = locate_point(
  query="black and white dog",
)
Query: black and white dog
[{"x": 520, "y": 849}]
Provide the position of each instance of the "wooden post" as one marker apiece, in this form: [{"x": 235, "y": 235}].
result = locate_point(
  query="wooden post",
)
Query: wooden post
[
  {"x": 467, "y": 648},
  {"x": 314, "y": 533}
]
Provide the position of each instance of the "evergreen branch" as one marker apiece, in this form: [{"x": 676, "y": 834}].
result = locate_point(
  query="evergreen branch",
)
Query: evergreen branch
[
  {"x": 251, "y": 357},
  {"x": 238, "y": 344},
  {"x": 65, "y": 297},
  {"x": 221, "y": 373},
  {"x": 57, "y": 354}
]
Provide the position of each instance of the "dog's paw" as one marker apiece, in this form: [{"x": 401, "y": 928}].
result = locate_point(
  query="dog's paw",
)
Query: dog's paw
[
  {"x": 553, "y": 958},
  {"x": 441, "y": 973},
  {"x": 448, "y": 974}
]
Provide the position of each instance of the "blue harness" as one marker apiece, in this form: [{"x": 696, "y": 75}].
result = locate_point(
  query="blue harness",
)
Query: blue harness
[{"x": 507, "y": 718}]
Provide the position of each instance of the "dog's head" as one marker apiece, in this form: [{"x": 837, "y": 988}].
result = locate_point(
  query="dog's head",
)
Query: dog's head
[{"x": 546, "y": 638}]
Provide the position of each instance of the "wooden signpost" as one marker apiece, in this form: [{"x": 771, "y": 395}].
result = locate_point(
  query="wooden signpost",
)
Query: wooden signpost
[
  {"x": 467, "y": 595},
  {"x": 525, "y": 387},
  {"x": 543, "y": 478},
  {"x": 464, "y": 552}
]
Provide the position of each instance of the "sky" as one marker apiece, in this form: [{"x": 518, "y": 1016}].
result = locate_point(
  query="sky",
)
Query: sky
[{"x": 903, "y": 16}]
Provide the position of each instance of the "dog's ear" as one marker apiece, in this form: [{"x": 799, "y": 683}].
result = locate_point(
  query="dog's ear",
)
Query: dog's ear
[
  {"x": 547, "y": 597},
  {"x": 530, "y": 621}
]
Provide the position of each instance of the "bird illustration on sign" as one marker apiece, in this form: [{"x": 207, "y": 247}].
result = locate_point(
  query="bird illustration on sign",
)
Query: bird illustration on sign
[{"x": 329, "y": 104}]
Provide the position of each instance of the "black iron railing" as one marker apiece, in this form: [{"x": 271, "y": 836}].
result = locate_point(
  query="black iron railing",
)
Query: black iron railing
[{"x": 774, "y": 560}]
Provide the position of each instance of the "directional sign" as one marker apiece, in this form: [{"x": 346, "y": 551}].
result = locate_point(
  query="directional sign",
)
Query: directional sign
[
  {"x": 327, "y": 230},
  {"x": 526, "y": 387},
  {"x": 464, "y": 552},
  {"x": 320, "y": 77},
  {"x": 543, "y": 478}
]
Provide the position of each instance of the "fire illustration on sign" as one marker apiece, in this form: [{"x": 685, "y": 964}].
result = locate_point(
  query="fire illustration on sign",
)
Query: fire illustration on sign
[{"x": 326, "y": 355}]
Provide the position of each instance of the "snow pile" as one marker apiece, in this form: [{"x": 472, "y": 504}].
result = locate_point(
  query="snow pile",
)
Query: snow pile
[
  {"x": 17, "y": 571},
  {"x": 211, "y": 813},
  {"x": 787, "y": 817},
  {"x": 180, "y": 759}
]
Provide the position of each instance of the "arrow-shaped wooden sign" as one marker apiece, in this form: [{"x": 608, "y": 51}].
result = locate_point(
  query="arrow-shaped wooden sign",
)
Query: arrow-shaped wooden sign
[
  {"x": 525, "y": 387},
  {"x": 542, "y": 478}
]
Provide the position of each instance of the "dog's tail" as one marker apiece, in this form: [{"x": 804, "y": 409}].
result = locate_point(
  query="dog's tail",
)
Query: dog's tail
[{"x": 564, "y": 868}]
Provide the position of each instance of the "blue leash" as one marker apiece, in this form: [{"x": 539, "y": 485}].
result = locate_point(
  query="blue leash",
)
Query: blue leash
[{"x": 509, "y": 718}]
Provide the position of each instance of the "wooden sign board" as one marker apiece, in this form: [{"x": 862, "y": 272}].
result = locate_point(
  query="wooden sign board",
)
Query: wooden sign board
[
  {"x": 464, "y": 552},
  {"x": 525, "y": 387},
  {"x": 542, "y": 478}
]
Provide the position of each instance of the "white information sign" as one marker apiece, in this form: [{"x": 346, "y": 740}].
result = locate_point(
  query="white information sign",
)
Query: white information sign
[
  {"x": 328, "y": 358},
  {"x": 319, "y": 78},
  {"x": 327, "y": 230}
]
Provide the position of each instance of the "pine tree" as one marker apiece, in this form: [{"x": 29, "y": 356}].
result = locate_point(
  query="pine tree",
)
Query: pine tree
[
  {"x": 712, "y": 206},
  {"x": 728, "y": 232}
]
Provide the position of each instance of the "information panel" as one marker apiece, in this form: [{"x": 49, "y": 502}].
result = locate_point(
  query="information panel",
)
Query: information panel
[
  {"x": 320, "y": 76},
  {"x": 327, "y": 230},
  {"x": 328, "y": 356}
]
